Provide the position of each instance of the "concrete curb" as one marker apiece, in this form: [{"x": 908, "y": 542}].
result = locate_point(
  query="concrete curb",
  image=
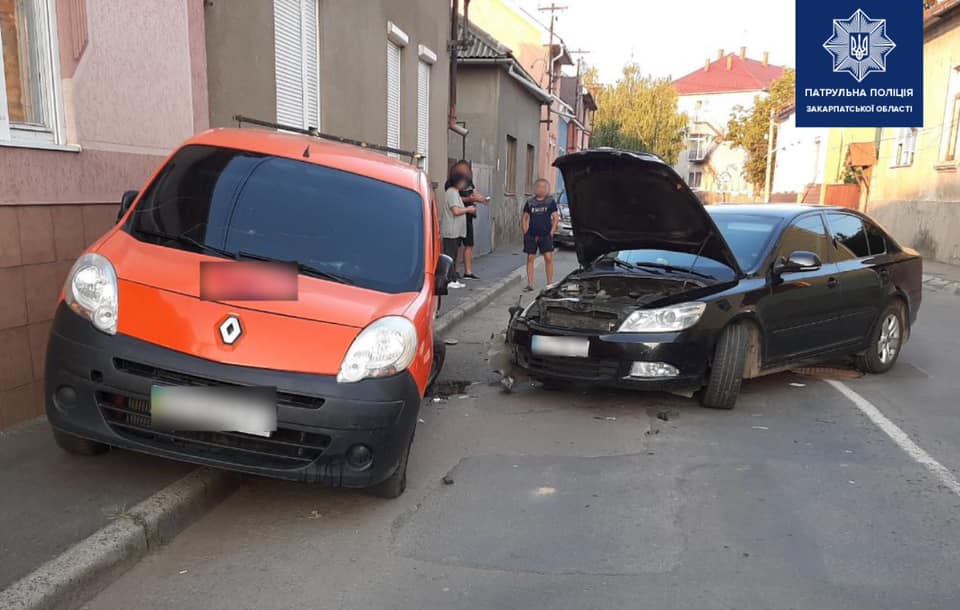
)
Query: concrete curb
[
  {"x": 79, "y": 573},
  {"x": 83, "y": 570},
  {"x": 450, "y": 319},
  {"x": 939, "y": 283}
]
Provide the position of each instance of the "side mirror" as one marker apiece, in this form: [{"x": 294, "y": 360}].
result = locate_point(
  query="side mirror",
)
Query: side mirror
[
  {"x": 442, "y": 275},
  {"x": 125, "y": 202},
  {"x": 801, "y": 260}
]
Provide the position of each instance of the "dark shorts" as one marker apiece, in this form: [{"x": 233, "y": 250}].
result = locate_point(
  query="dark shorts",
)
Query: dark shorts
[
  {"x": 468, "y": 240},
  {"x": 532, "y": 243}
]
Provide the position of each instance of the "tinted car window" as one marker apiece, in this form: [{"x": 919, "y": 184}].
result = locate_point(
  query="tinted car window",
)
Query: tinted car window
[
  {"x": 807, "y": 234},
  {"x": 367, "y": 231},
  {"x": 876, "y": 240},
  {"x": 747, "y": 235},
  {"x": 849, "y": 236}
]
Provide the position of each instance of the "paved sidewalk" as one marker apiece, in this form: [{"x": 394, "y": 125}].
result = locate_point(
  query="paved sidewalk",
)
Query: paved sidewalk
[
  {"x": 941, "y": 276},
  {"x": 50, "y": 500}
]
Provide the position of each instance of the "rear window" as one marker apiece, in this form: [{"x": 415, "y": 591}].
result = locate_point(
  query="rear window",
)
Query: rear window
[{"x": 361, "y": 229}]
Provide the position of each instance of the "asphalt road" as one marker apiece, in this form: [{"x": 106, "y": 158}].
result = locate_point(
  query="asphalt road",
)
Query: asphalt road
[{"x": 796, "y": 499}]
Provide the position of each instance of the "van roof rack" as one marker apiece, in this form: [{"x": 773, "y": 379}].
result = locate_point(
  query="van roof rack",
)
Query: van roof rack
[{"x": 416, "y": 158}]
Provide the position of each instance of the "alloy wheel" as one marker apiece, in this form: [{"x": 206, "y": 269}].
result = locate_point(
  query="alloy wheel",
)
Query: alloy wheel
[{"x": 889, "y": 342}]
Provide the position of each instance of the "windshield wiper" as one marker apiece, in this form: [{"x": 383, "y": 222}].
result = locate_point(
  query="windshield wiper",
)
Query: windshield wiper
[
  {"x": 658, "y": 268},
  {"x": 186, "y": 239},
  {"x": 633, "y": 266},
  {"x": 301, "y": 268}
]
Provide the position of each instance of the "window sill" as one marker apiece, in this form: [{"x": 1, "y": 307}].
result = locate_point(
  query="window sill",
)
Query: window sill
[
  {"x": 946, "y": 167},
  {"x": 73, "y": 148},
  {"x": 901, "y": 166}
]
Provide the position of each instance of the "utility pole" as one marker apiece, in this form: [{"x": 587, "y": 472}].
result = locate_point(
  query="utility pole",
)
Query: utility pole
[
  {"x": 766, "y": 188},
  {"x": 553, "y": 8}
]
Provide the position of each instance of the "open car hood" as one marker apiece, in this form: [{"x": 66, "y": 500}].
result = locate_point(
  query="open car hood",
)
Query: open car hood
[{"x": 622, "y": 200}]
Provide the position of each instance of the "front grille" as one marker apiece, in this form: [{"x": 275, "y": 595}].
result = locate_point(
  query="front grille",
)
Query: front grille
[
  {"x": 577, "y": 369},
  {"x": 286, "y": 448},
  {"x": 564, "y": 318},
  {"x": 168, "y": 377}
]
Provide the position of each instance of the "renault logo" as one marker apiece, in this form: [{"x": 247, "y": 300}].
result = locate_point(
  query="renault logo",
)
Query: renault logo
[{"x": 230, "y": 330}]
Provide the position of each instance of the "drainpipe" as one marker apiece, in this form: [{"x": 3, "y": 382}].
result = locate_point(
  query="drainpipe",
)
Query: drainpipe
[{"x": 454, "y": 51}]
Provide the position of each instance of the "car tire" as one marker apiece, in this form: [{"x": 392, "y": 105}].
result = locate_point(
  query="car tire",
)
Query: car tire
[
  {"x": 77, "y": 445},
  {"x": 439, "y": 356},
  {"x": 886, "y": 341},
  {"x": 726, "y": 374},
  {"x": 394, "y": 485}
]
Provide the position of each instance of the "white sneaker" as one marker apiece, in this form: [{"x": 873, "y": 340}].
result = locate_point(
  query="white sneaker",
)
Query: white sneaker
[{"x": 455, "y": 284}]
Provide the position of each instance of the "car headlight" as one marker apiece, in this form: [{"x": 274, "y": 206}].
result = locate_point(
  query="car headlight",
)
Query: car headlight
[
  {"x": 664, "y": 320},
  {"x": 91, "y": 291},
  {"x": 383, "y": 348}
]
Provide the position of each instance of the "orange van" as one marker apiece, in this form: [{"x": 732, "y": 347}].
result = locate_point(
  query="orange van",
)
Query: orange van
[{"x": 266, "y": 304}]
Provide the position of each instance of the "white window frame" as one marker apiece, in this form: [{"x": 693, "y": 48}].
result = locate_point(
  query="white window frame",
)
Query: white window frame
[
  {"x": 905, "y": 147},
  {"x": 396, "y": 39},
  {"x": 698, "y": 148},
  {"x": 426, "y": 59},
  {"x": 52, "y": 134},
  {"x": 949, "y": 129}
]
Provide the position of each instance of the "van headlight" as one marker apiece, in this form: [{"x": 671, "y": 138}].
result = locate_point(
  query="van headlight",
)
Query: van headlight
[
  {"x": 91, "y": 291},
  {"x": 383, "y": 348},
  {"x": 664, "y": 320}
]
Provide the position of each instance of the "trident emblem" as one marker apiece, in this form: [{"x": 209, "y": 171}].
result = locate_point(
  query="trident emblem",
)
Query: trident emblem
[{"x": 859, "y": 46}]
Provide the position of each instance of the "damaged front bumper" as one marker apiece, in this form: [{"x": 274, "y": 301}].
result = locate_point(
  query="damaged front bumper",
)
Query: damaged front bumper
[{"x": 608, "y": 359}]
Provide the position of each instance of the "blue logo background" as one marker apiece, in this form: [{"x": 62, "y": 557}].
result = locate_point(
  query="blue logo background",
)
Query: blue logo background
[{"x": 815, "y": 67}]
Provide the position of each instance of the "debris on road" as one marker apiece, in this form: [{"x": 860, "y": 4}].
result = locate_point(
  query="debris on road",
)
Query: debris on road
[
  {"x": 837, "y": 372},
  {"x": 798, "y": 385},
  {"x": 447, "y": 479},
  {"x": 450, "y": 342},
  {"x": 759, "y": 428},
  {"x": 546, "y": 491},
  {"x": 667, "y": 414},
  {"x": 607, "y": 418}
]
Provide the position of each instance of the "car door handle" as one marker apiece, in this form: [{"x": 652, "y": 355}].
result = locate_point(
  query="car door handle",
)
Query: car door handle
[{"x": 832, "y": 283}]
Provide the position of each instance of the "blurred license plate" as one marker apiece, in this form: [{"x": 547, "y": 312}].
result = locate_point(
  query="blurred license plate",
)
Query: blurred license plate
[
  {"x": 251, "y": 410},
  {"x": 567, "y": 347}
]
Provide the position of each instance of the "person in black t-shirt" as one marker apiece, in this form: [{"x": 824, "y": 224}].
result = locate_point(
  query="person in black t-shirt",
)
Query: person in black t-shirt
[
  {"x": 470, "y": 196},
  {"x": 540, "y": 219}
]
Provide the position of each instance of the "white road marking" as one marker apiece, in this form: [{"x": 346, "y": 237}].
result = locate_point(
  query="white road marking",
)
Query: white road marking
[{"x": 915, "y": 451}]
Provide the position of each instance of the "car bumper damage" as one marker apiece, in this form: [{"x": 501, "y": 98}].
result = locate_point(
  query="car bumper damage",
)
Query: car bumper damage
[
  {"x": 98, "y": 387},
  {"x": 643, "y": 361}
]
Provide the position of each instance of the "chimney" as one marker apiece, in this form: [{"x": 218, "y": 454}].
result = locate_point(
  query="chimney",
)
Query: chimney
[
  {"x": 719, "y": 54},
  {"x": 766, "y": 58},
  {"x": 729, "y": 63},
  {"x": 706, "y": 65},
  {"x": 743, "y": 52}
]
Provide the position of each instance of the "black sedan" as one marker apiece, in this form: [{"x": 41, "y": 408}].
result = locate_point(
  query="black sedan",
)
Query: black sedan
[{"x": 671, "y": 295}]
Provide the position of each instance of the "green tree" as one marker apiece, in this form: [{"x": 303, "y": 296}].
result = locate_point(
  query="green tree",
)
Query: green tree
[
  {"x": 749, "y": 127},
  {"x": 638, "y": 112}
]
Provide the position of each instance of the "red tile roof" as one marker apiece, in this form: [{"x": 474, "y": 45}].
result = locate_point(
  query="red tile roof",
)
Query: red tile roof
[{"x": 744, "y": 75}]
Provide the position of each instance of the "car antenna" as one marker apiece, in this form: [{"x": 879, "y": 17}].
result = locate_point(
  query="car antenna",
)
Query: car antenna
[{"x": 696, "y": 259}]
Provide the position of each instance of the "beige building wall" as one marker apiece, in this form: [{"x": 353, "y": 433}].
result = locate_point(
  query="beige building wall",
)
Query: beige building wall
[
  {"x": 128, "y": 84},
  {"x": 920, "y": 203}
]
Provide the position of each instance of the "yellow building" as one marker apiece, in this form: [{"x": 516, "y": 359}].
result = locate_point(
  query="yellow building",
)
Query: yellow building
[{"x": 913, "y": 186}]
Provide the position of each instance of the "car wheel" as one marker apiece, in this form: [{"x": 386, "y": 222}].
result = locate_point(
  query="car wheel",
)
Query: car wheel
[
  {"x": 885, "y": 343},
  {"x": 78, "y": 446},
  {"x": 726, "y": 374},
  {"x": 396, "y": 483}
]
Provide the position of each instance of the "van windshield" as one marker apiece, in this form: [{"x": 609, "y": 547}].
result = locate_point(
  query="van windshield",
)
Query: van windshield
[{"x": 369, "y": 233}]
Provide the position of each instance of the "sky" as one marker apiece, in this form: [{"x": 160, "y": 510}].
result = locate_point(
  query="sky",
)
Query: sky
[{"x": 671, "y": 37}]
